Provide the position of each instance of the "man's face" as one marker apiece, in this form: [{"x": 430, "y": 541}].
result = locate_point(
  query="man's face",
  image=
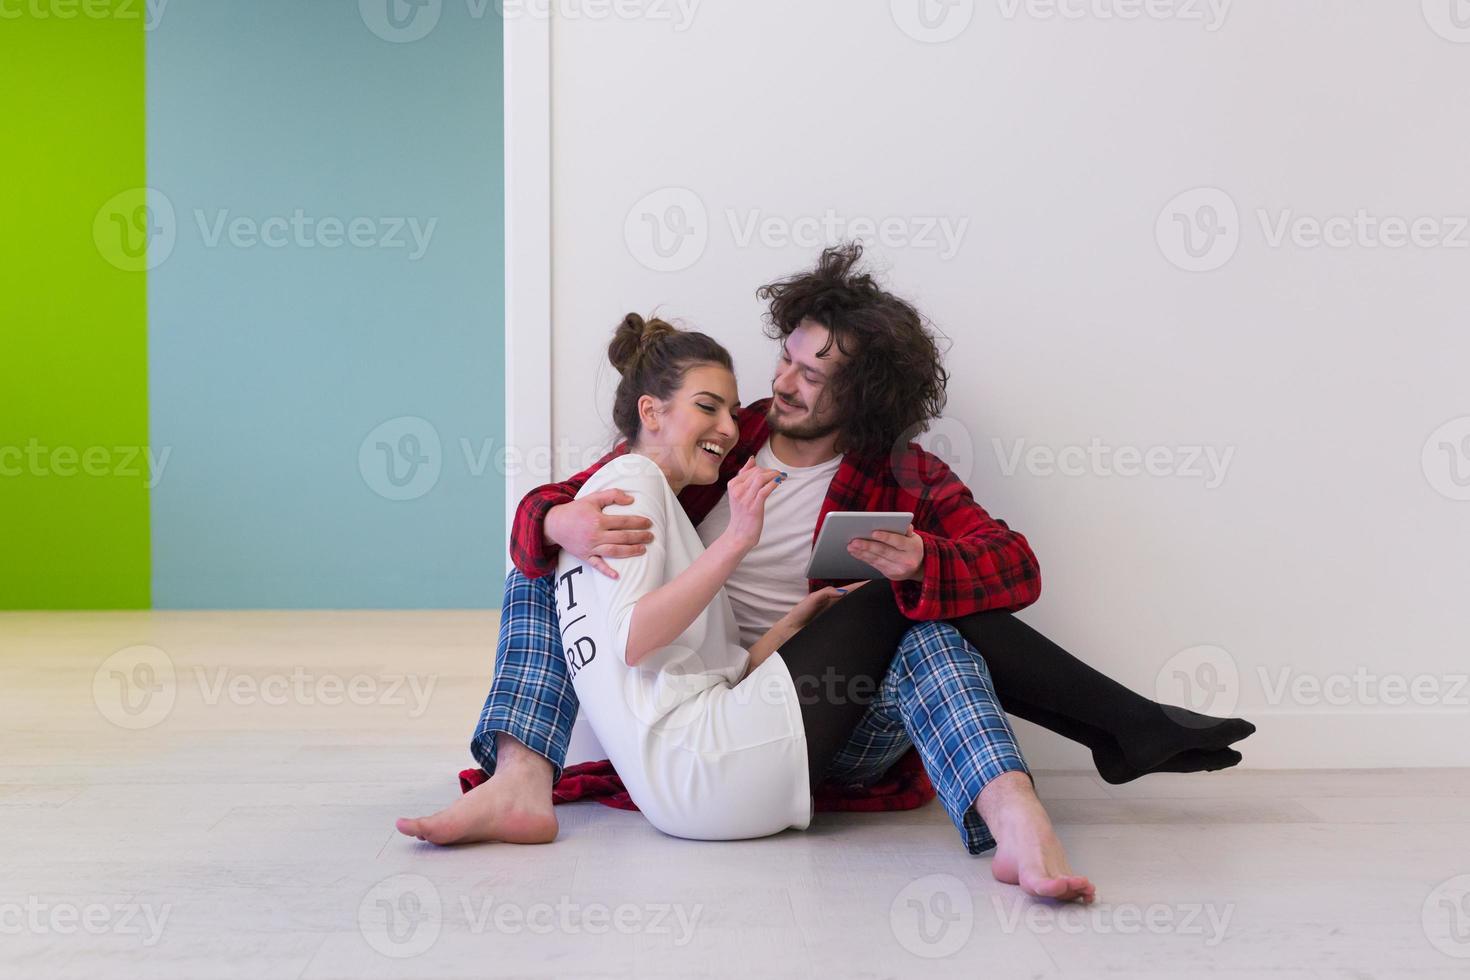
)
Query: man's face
[{"x": 800, "y": 408}]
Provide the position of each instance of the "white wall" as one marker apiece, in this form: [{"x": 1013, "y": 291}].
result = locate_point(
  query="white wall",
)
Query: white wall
[{"x": 1058, "y": 143}]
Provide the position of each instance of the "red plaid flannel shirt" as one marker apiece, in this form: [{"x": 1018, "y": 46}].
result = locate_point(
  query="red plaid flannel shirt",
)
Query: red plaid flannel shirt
[{"x": 972, "y": 562}]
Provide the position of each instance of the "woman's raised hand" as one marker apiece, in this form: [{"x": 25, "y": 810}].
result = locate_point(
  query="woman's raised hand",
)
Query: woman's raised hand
[{"x": 748, "y": 491}]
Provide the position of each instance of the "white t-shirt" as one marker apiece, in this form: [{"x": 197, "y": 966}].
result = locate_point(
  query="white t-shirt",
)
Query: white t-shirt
[
  {"x": 772, "y": 577},
  {"x": 703, "y": 753}
]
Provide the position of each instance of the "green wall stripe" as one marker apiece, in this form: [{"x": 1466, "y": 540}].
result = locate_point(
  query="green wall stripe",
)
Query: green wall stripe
[{"x": 73, "y": 310}]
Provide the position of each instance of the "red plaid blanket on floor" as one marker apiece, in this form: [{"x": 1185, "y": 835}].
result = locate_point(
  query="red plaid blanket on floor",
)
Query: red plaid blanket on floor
[{"x": 904, "y": 787}]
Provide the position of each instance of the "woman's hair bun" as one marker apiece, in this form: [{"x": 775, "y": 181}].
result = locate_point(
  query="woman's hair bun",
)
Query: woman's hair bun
[{"x": 634, "y": 336}]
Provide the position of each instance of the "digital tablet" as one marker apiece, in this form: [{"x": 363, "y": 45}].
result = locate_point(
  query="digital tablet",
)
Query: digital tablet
[{"x": 830, "y": 559}]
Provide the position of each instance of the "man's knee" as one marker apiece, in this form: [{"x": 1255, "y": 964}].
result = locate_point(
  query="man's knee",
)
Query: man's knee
[
  {"x": 937, "y": 638},
  {"x": 519, "y": 585},
  {"x": 932, "y": 633},
  {"x": 528, "y": 617}
]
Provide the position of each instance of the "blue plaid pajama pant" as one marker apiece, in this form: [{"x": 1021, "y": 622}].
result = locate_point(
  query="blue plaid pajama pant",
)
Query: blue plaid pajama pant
[{"x": 936, "y": 696}]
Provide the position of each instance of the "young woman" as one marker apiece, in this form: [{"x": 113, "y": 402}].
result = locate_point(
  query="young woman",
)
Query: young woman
[{"x": 713, "y": 741}]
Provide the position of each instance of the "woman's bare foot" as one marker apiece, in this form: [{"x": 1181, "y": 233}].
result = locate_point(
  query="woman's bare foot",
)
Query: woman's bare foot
[
  {"x": 514, "y": 805},
  {"x": 1027, "y": 851}
]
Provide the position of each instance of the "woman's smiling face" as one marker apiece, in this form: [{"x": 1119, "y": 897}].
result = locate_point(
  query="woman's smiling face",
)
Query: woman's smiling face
[{"x": 691, "y": 432}]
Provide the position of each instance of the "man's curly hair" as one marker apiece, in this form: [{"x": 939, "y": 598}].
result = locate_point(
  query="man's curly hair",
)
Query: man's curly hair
[{"x": 894, "y": 381}]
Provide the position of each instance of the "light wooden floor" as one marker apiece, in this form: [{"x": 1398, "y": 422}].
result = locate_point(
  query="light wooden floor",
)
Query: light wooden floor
[{"x": 240, "y": 824}]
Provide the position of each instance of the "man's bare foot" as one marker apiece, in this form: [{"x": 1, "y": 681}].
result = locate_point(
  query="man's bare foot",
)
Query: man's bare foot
[
  {"x": 1027, "y": 851},
  {"x": 514, "y": 805}
]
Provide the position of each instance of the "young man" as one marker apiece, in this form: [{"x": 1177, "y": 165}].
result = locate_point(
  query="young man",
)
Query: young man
[{"x": 857, "y": 374}]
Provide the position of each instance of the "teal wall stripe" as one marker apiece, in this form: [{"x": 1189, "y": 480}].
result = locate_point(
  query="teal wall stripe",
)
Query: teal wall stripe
[{"x": 325, "y": 334}]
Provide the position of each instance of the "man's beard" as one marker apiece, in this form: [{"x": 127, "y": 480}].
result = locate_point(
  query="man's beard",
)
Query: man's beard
[{"x": 810, "y": 429}]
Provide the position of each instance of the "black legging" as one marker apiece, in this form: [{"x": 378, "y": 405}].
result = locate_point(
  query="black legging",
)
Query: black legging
[
  {"x": 849, "y": 647},
  {"x": 837, "y": 662}
]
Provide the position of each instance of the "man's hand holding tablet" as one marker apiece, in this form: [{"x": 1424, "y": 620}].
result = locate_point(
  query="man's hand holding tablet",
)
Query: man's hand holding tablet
[{"x": 867, "y": 545}]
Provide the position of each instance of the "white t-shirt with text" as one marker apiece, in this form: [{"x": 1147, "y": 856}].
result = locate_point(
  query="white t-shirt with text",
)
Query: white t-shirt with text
[{"x": 703, "y": 753}]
